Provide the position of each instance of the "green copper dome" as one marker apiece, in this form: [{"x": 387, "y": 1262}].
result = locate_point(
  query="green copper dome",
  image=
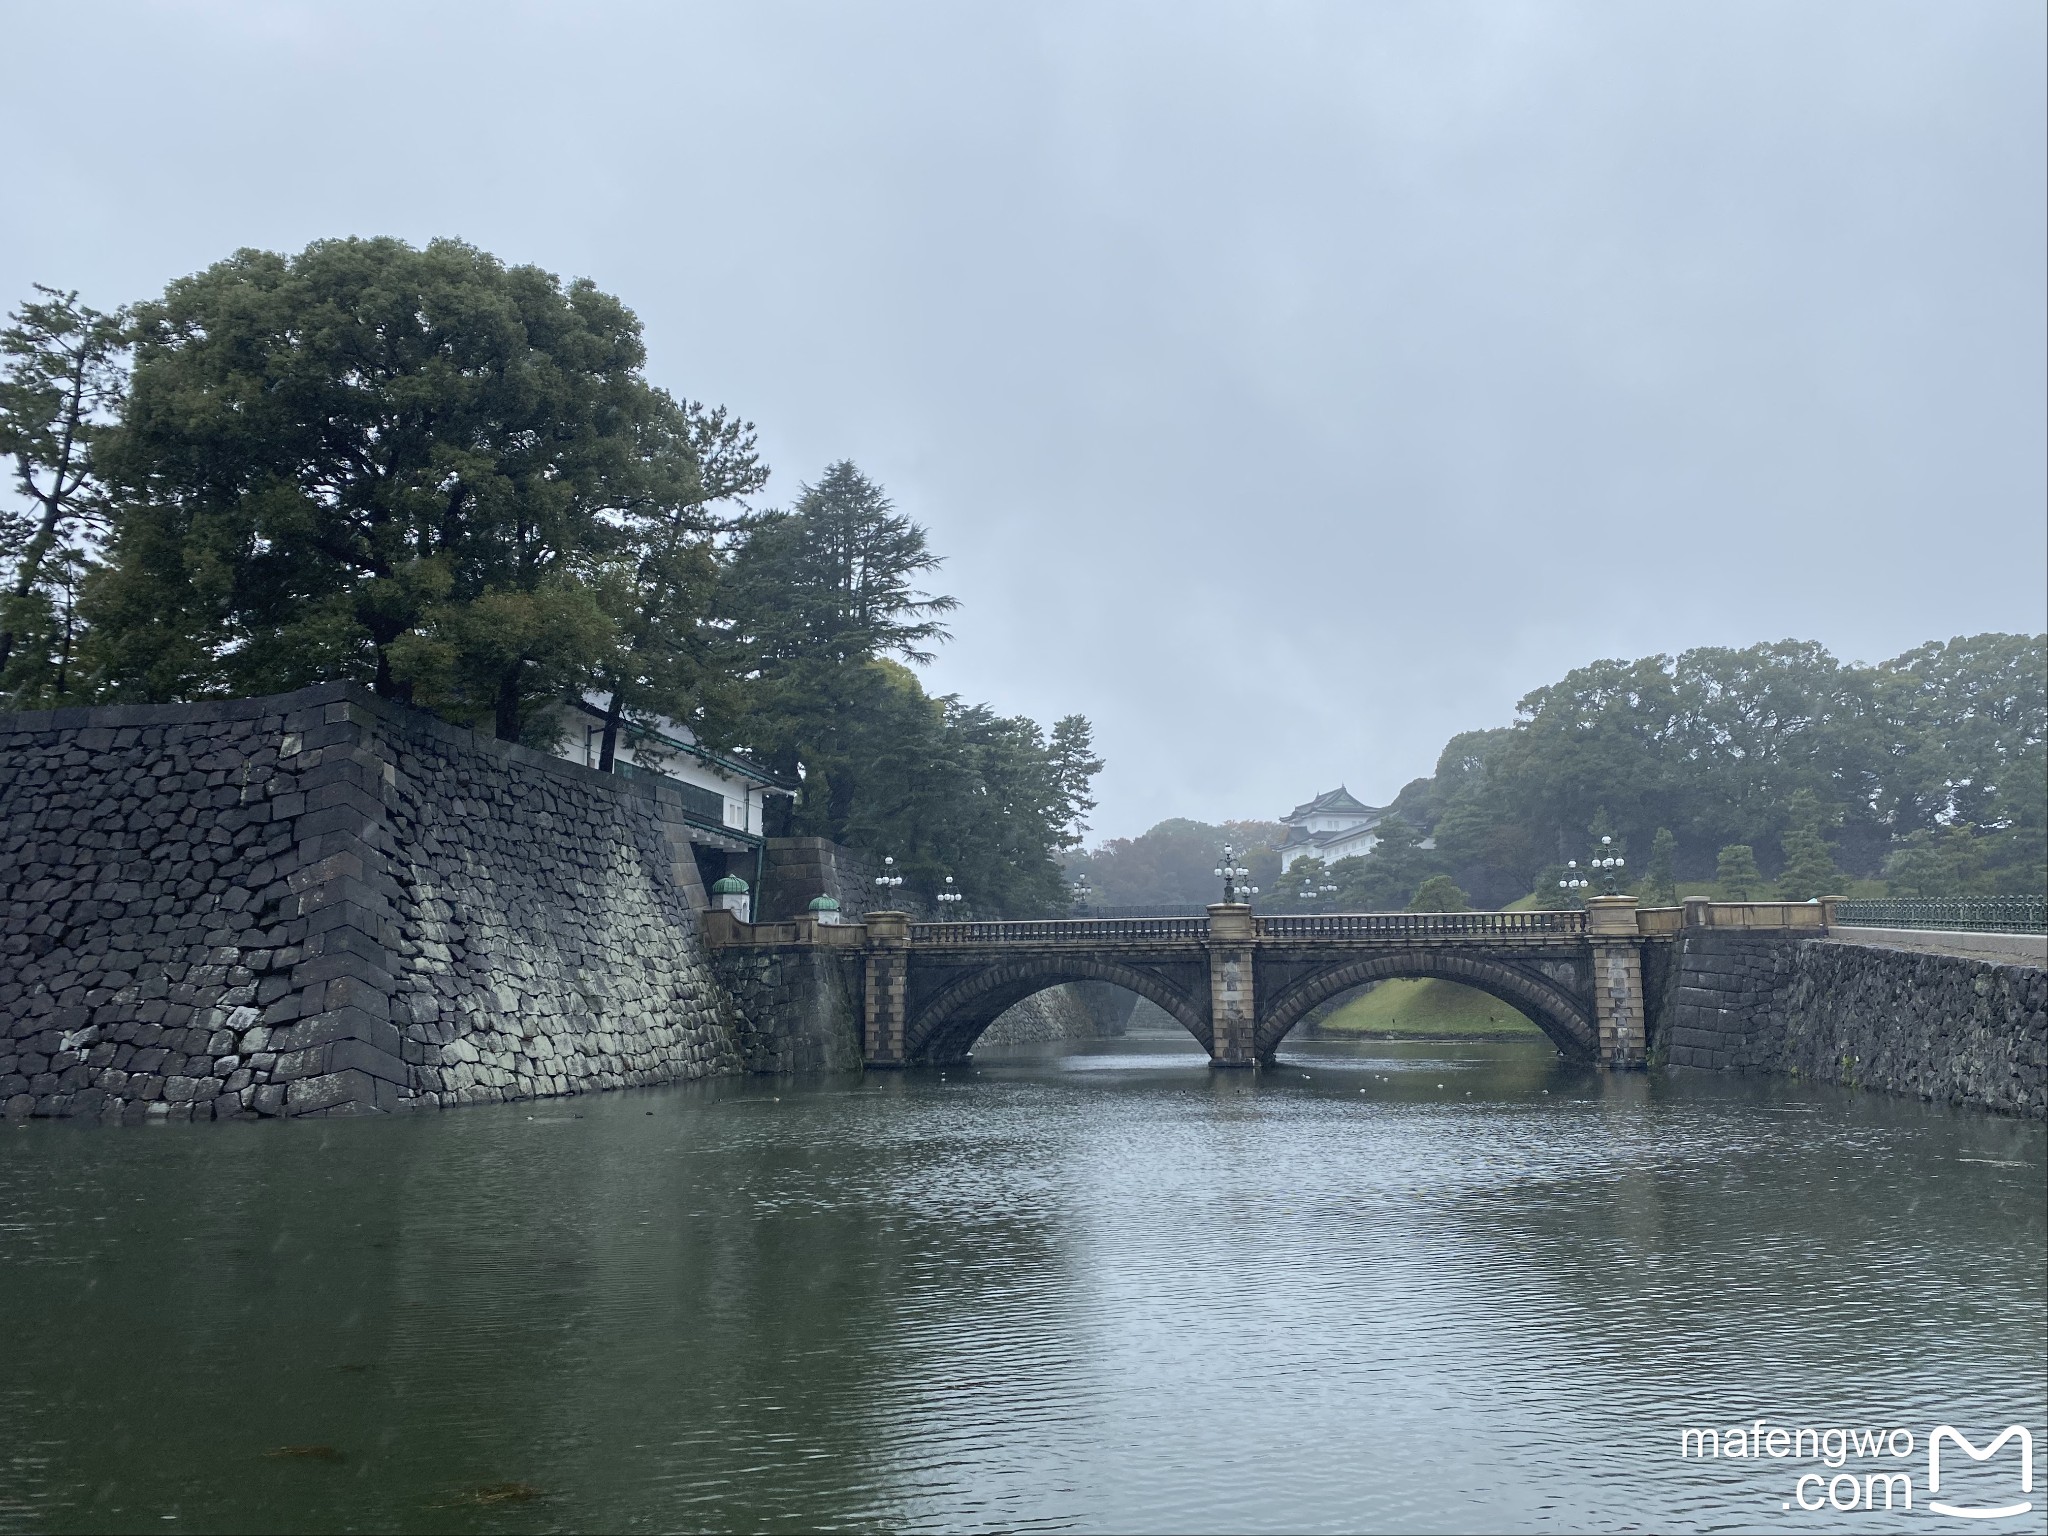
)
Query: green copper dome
[
  {"x": 824, "y": 904},
  {"x": 731, "y": 885}
]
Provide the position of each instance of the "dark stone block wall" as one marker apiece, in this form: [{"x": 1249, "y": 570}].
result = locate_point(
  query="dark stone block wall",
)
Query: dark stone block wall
[
  {"x": 1940, "y": 1027},
  {"x": 1057, "y": 1013},
  {"x": 323, "y": 903},
  {"x": 799, "y": 1007},
  {"x": 796, "y": 869}
]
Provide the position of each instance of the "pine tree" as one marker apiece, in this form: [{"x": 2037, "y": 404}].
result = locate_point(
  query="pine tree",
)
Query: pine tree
[
  {"x": 1660, "y": 881},
  {"x": 1439, "y": 893},
  {"x": 61, "y": 381},
  {"x": 1736, "y": 874},
  {"x": 1809, "y": 864}
]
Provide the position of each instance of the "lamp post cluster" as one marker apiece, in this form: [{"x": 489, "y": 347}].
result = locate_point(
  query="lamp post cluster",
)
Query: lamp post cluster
[
  {"x": 1083, "y": 894},
  {"x": 1233, "y": 874},
  {"x": 1605, "y": 867},
  {"x": 949, "y": 896},
  {"x": 1609, "y": 865}
]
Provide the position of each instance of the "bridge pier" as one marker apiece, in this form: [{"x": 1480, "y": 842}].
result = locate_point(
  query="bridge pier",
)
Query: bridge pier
[
  {"x": 1233, "y": 1010},
  {"x": 887, "y": 992},
  {"x": 1617, "y": 965}
]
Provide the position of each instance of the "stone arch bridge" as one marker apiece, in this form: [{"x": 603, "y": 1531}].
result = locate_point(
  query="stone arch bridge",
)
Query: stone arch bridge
[{"x": 1236, "y": 981}]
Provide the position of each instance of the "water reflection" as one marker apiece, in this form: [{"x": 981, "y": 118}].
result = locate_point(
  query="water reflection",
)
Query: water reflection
[{"x": 1422, "y": 1286}]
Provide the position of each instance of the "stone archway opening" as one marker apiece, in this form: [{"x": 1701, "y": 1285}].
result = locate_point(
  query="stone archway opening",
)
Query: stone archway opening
[
  {"x": 1087, "y": 1012},
  {"x": 946, "y": 1027},
  {"x": 1555, "y": 1009},
  {"x": 1422, "y": 1007}
]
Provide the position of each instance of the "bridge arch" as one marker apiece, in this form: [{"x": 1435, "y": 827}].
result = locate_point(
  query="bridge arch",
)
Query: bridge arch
[
  {"x": 1562, "y": 1015},
  {"x": 945, "y": 1027}
]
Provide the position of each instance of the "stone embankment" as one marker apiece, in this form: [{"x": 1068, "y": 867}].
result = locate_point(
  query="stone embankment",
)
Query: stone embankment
[
  {"x": 320, "y": 903},
  {"x": 1079, "y": 1010},
  {"x": 797, "y": 1006},
  {"x": 1942, "y": 1027}
]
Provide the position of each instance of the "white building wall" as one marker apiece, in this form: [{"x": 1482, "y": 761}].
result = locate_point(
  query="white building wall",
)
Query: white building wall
[
  {"x": 1339, "y": 848},
  {"x": 744, "y": 800}
]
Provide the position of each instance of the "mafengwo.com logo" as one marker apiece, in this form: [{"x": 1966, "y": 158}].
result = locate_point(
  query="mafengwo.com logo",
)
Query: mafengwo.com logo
[{"x": 1871, "y": 1469}]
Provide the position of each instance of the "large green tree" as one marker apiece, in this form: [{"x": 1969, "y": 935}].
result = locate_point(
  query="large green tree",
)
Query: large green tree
[
  {"x": 824, "y": 607},
  {"x": 659, "y": 582},
  {"x": 1964, "y": 737},
  {"x": 816, "y": 594},
  {"x": 1723, "y": 747},
  {"x": 61, "y": 382},
  {"x": 376, "y": 462}
]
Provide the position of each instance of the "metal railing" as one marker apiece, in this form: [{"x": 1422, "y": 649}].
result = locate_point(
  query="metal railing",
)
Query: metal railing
[
  {"x": 1062, "y": 931},
  {"x": 1971, "y": 914},
  {"x": 1182, "y": 909},
  {"x": 1426, "y": 925}
]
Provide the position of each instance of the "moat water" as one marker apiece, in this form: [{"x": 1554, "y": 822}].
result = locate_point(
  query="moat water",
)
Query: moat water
[{"x": 1430, "y": 1287}]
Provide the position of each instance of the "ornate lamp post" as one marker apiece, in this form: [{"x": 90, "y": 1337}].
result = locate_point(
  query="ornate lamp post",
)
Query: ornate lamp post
[
  {"x": 1082, "y": 895},
  {"x": 888, "y": 879},
  {"x": 1231, "y": 873},
  {"x": 1321, "y": 894},
  {"x": 949, "y": 901},
  {"x": 1604, "y": 868},
  {"x": 1609, "y": 864}
]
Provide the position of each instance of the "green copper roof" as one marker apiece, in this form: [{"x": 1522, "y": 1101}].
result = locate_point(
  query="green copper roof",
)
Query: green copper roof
[
  {"x": 731, "y": 885},
  {"x": 824, "y": 904}
]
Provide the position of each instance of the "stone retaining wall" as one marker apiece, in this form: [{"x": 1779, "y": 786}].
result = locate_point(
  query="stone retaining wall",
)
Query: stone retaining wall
[
  {"x": 798, "y": 1006},
  {"x": 796, "y": 869},
  {"x": 320, "y": 902},
  {"x": 1942, "y": 1027},
  {"x": 1079, "y": 1010}
]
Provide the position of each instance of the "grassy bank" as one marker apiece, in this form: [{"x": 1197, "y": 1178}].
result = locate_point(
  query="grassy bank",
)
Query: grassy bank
[{"x": 1428, "y": 1009}]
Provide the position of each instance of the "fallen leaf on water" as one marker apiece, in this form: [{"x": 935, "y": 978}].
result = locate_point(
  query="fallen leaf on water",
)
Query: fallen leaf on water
[{"x": 308, "y": 1452}]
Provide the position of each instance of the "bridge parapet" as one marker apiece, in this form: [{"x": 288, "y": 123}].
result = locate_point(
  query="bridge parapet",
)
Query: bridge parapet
[
  {"x": 1814, "y": 916},
  {"x": 1091, "y": 931},
  {"x": 1350, "y": 927}
]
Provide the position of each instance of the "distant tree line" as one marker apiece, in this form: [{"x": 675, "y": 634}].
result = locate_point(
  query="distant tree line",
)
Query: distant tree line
[
  {"x": 450, "y": 480},
  {"x": 1173, "y": 863},
  {"x": 1774, "y": 771}
]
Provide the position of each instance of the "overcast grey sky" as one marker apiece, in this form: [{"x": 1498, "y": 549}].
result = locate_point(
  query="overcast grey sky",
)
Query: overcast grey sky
[{"x": 1289, "y": 386}]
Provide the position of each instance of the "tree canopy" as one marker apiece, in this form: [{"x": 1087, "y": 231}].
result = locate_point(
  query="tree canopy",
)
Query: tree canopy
[
  {"x": 1753, "y": 747},
  {"x": 450, "y": 479},
  {"x": 823, "y": 609},
  {"x": 406, "y": 467},
  {"x": 1929, "y": 771}
]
